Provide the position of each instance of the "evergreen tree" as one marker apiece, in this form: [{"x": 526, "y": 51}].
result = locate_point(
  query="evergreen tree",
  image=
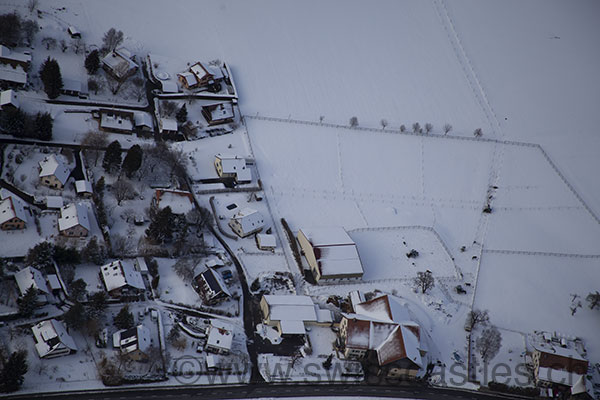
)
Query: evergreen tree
[
  {"x": 99, "y": 187},
  {"x": 93, "y": 252},
  {"x": 43, "y": 125},
  {"x": 12, "y": 121},
  {"x": 63, "y": 255},
  {"x": 182, "y": 114},
  {"x": 161, "y": 226},
  {"x": 28, "y": 302},
  {"x": 124, "y": 319},
  {"x": 51, "y": 77},
  {"x": 41, "y": 256},
  {"x": 10, "y": 29},
  {"x": 97, "y": 304},
  {"x": 76, "y": 316},
  {"x": 92, "y": 62},
  {"x": 13, "y": 373},
  {"x": 78, "y": 290},
  {"x": 112, "y": 156},
  {"x": 133, "y": 160}
]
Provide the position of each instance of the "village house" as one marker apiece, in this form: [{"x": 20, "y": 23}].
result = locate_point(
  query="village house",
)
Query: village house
[
  {"x": 215, "y": 114},
  {"x": 180, "y": 201},
  {"x": 52, "y": 339},
  {"x": 12, "y": 214},
  {"x": 118, "y": 121},
  {"x": 200, "y": 74},
  {"x": 74, "y": 32},
  {"x": 266, "y": 241},
  {"x": 14, "y": 77},
  {"x": 143, "y": 121},
  {"x": 331, "y": 254},
  {"x": 74, "y": 221},
  {"x": 134, "y": 342},
  {"x": 54, "y": 172},
  {"x": 31, "y": 277},
  {"x": 233, "y": 166},
  {"x": 121, "y": 276},
  {"x": 555, "y": 365},
  {"x": 291, "y": 314},
  {"x": 220, "y": 337},
  {"x": 8, "y": 99},
  {"x": 84, "y": 188},
  {"x": 119, "y": 64},
  {"x": 246, "y": 222},
  {"x": 382, "y": 332},
  {"x": 167, "y": 127},
  {"x": 73, "y": 87},
  {"x": 14, "y": 58},
  {"x": 211, "y": 287}
]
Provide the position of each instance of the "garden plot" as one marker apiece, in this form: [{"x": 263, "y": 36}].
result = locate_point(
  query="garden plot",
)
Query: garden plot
[
  {"x": 383, "y": 253},
  {"x": 528, "y": 293},
  {"x": 16, "y": 243},
  {"x": 202, "y": 153}
]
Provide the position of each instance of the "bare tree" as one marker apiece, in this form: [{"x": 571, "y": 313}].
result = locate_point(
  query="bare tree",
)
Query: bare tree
[
  {"x": 77, "y": 45},
  {"x": 198, "y": 217},
  {"x": 96, "y": 142},
  {"x": 478, "y": 132},
  {"x": 93, "y": 85},
  {"x": 428, "y": 127},
  {"x": 122, "y": 190},
  {"x": 138, "y": 88},
  {"x": 416, "y": 127},
  {"x": 63, "y": 45},
  {"x": 383, "y": 123},
  {"x": 353, "y": 122},
  {"x": 321, "y": 118},
  {"x": 49, "y": 42},
  {"x": 476, "y": 317},
  {"x": 29, "y": 28},
  {"x": 32, "y": 5},
  {"x": 112, "y": 38},
  {"x": 447, "y": 128},
  {"x": 424, "y": 281},
  {"x": 402, "y": 128},
  {"x": 168, "y": 108},
  {"x": 115, "y": 84},
  {"x": 184, "y": 268},
  {"x": 489, "y": 343},
  {"x": 594, "y": 300},
  {"x": 121, "y": 245}
]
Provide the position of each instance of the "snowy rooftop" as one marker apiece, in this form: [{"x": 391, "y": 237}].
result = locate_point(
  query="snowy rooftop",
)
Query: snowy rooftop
[
  {"x": 8, "y": 97},
  {"x": 249, "y": 218},
  {"x": 132, "y": 339},
  {"x": 143, "y": 119},
  {"x": 202, "y": 70},
  {"x": 83, "y": 186},
  {"x": 7, "y": 53},
  {"x": 220, "y": 335},
  {"x": 558, "y": 376},
  {"x": 559, "y": 351},
  {"x": 231, "y": 163},
  {"x": 266, "y": 240},
  {"x": 28, "y": 277},
  {"x": 10, "y": 74},
  {"x": 115, "y": 121},
  {"x": 384, "y": 325},
  {"x": 189, "y": 78},
  {"x": 119, "y": 274},
  {"x": 53, "y": 165},
  {"x": 119, "y": 56},
  {"x": 54, "y": 201},
  {"x": 291, "y": 308},
  {"x": 327, "y": 236},
  {"x": 12, "y": 207},
  {"x": 169, "y": 86},
  {"x": 72, "y": 85},
  {"x": 220, "y": 111},
  {"x": 168, "y": 124},
  {"x": 51, "y": 335},
  {"x": 72, "y": 215}
]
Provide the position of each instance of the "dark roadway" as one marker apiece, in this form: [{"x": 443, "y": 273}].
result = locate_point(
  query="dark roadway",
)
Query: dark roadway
[{"x": 264, "y": 390}]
